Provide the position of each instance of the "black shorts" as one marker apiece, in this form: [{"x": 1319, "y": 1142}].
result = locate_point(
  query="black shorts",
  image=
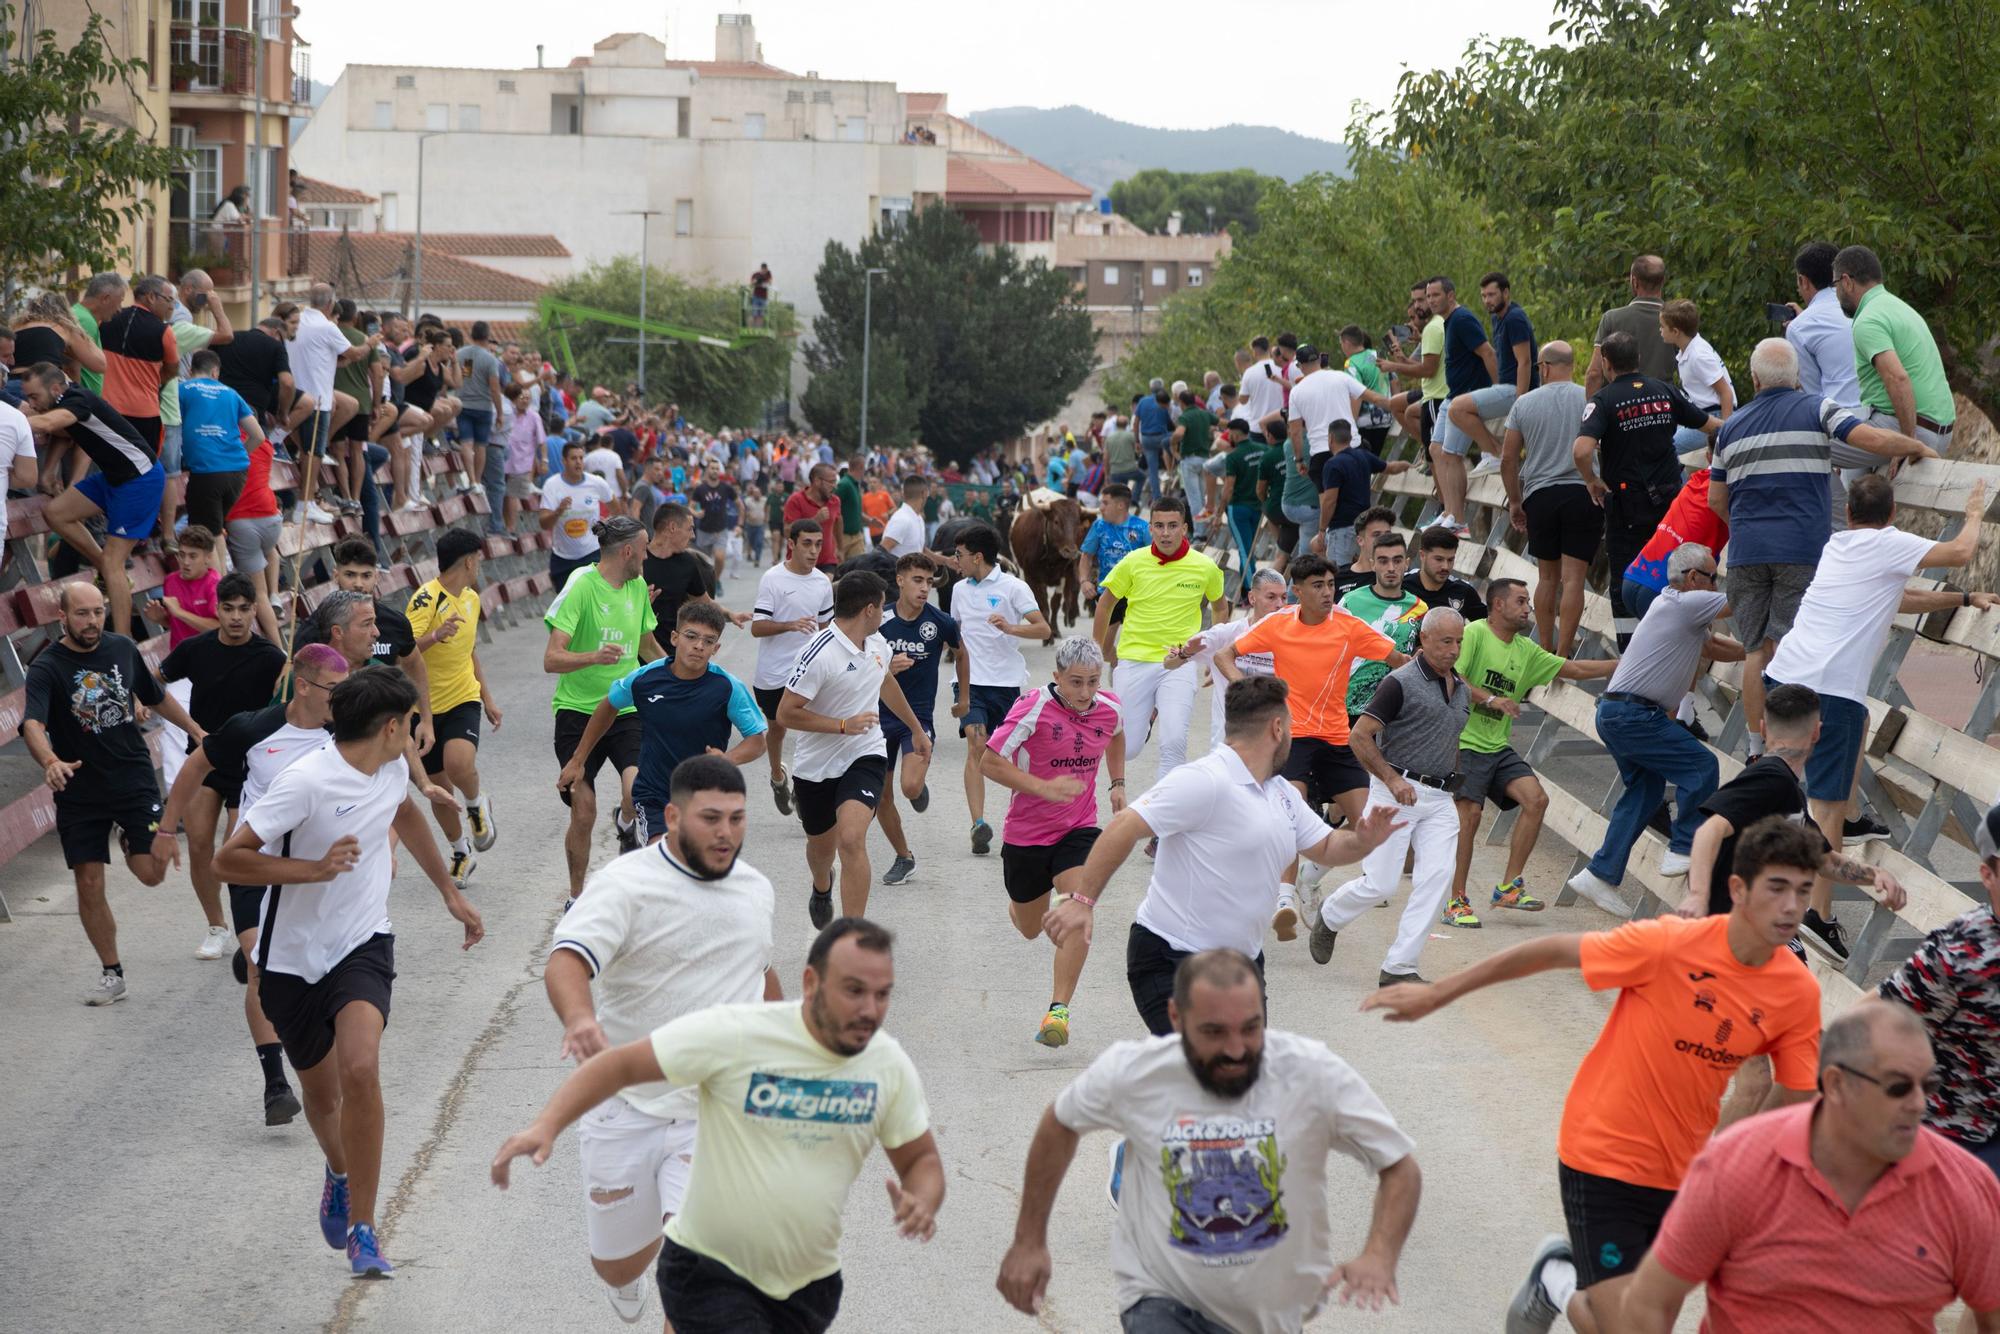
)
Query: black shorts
[
  {"x": 461, "y": 723},
  {"x": 820, "y": 802},
  {"x": 1563, "y": 521},
  {"x": 562, "y": 567},
  {"x": 988, "y": 707},
  {"x": 768, "y": 701},
  {"x": 210, "y": 495},
  {"x": 1611, "y": 1223},
  {"x": 245, "y": 902},
  {"x": 1483, "y": 777},
  {"x": 85, "y": 825},
  {"x": 303, "y": 1012},
  {"x": 1327, "y": 770},
  {"x": 356, "y": 428},
  {"x": 704, "y": 1296},
  {"x": 1288, "y": 532},
  {"x": 620, "y": 745},
  {"x": 1030, "y": 870},
  {"x": 1150, "y": 965}
]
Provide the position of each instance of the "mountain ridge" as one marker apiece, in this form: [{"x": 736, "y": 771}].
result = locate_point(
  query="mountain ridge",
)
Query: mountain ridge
[{"x": 1098, "y": 150}]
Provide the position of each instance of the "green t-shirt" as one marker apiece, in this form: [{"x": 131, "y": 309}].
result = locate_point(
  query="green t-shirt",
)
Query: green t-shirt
[
  {"x": 850, "y": 504},
  {"x": 1398, "y": 620},
  {"x": 352, "y": 378},
  {"x": 1121, "y": 453},
  {"x": 1299, "y": 486},
  {"x": 1272, "y": 468},
  {"x": 774, "y": 505},
  {"x": 1198, "y": 427},
  {"x": 92, "y": 380},
  {"x": 593, "y": 613},
  {"x": 189, "y": 338},
  {"x": 1433, "y": 341},
  {"x": 1363, "y": 368},
  {"x": 1245, "y": 463},
  {"x": 1884, "y": 322},
  {"x": 1510, "y": 670}
]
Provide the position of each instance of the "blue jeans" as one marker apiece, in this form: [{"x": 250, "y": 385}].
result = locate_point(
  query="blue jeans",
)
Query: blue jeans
[
  {"x": 1306, "y": 515},
  {"x": 1154, "y": 452},
  {"x": 1687, "y": 437},
  {"x": 1638, "y": 597},
  {"x": 1652, "y": 750},
  {"x": 493, "y": 480},
  {"x": 1164, "y": 1315},
  {"x": 1193, "y": 476},
  {"x": 371, "y": 498}
]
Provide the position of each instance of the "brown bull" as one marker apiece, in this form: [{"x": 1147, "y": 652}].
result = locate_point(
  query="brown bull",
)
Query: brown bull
[{"x": 1044, "y": 543}]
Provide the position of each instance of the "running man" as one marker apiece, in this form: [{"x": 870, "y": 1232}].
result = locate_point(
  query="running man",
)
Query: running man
[
  {"x": 917, "y": 634},
  {"x": 756, "y": 1245},
  {"x": 835, "y": 697},
  {"x": 81, "y": 701},
  {"x": 686, "y": 706},
  {"x": 1047, "y": 751},
  {"x": 1388, "y": 606},
  {"x": 993, "y": 610},
  {"x": 684, "y": 927},
  {"x": 1115, "y": 533},
  {"x": 444, "y": 617},
  {"x": 1648, "y": 1095},
  {"x": 325, "y": 951},
  {"x": 1215, "y": 647},
  {"x": 794, "y": 599},
  {"x": 573, "y": 502},
  {"x": 395, "y": 643},
  {"x": 600, "y": 629}
]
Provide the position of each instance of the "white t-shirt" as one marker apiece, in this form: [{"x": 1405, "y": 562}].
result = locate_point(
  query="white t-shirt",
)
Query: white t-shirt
[
  {"x": 1320, "y": 400},
  {"x": 307, "y": 929},
  {"x": 995, "y": 656},
  {"x": 904, "y": 532},
  {"x": 313, "y": 354},
  {"x": 1224, "y": 840},
  {"x": 1223, "y": 1202},
  {"x": 604, "y": 462},
  {"x": 662, "y": 942},
  {"x": 587, "y": 499},
  {"x": 1263, "y": 390},
  {"x": 17, "y": 441},
  {"x": 840, "y": 679},
  {"x": 1218, "y": 639},
  {"x": 1700, "y": 368},
  {"x": 1843, "y": 621},
  {"x": 784, "y": 596}
]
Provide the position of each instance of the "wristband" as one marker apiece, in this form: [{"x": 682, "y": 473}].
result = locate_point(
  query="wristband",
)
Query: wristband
[
  {"x": 1965, "y": 599},
  {"x": 1085, "y": 901},
  {"x": 1118, "y": 782},
  {"x": 842, "y": 725}
]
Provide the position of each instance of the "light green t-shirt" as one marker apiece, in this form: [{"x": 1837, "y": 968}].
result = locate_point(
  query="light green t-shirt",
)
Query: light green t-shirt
[
  {"x": 1884, "y": 322},
  {"x": 1398, "y": 620},
  {"x": 1510, "y": 670},
  {"x": 189, "y": 338},
  {"x": 92, "y": 380},
  {"x": 1363, "y": 368},
  {"x": 593, "y": 613},
  {"x": 1433, "y": 341},
  {"x": 785, "y": 1127}
]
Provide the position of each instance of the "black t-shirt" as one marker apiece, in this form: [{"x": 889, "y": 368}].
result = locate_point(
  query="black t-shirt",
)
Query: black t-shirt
[
  {"x": 228, "y": 678},
  {"x": 251, "y": 364},
  {"x": 394, "y": 640},
  {"x": 1345, "y": 581},
  {"x": 625, "y": 443},
  {"x": 1460, "y": 596},
  {"x": 673, "y": 580},
  {"x": 1767, "y": 786},
  {"x": 715, "y": 502},
  {"x": 228, "y": 747},
  {"x": 112, "y": 443},
  {"x": 1632, "y": 419},
  {"x": 85, "y": 700}
]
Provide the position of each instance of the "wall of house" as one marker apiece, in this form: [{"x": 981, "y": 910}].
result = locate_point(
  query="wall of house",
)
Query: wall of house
[{"x": 133, "y": 29}]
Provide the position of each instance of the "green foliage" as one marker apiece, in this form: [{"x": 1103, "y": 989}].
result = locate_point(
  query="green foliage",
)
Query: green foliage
[
  {"x": 1147, "y": 198},
  {"x": 970, "y": 346},
  {"x": 62, "y": 168},
  {"x": 714, "y": 386}
]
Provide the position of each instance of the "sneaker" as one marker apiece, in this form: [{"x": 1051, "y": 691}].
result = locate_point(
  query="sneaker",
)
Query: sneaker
[
  {"x": 630, "y": 1301},
  {"x": 1458, "y": 912},
  {"x": 364, "y": 1253},
  {"x": 922, "y": 801},
  {"x": 461, "y": 867},
  {"x": 1117, "y": 1171},
  {"x": 1514, "y": 894},
  {"x": 1695, "y": 729},
  {"x": 1673, "y": 863},
  {"x": 781, "y": 792},
  {"x": 1863, "y": 829},
  {"x": 1321, "y": 940},
  {"x": 1605, "y": 896},
  {"x": 1285, "y": 921},
  {"x": 900, "y": 870},
  {"x": 1828, "y": 932},
  {"x": 1055, "y": 1027},
  {"x": 109, "y": 987},
  {"x": 333, "y": 1210},
  {"x": 314, "y": 514},
  {"x": 1488, "y": 463},
  {"x": 982, "y": 838},
  {"x": 628, "y": 834},
  {"x": 479, "y": 814},
  {"x": 1397, "y": 979},
  {"x": 1461, "y": 529},
  {"x": 214, "y": 944},
  {"x": 414, "y": 507},
  {"x": 820, "y": 908},
  {"x": 280, "y": 1104},
  {"x": 1531, "y": 1311}
]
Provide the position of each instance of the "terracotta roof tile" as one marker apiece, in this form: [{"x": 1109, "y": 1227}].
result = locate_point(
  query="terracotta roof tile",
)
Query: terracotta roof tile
[
  {"x": 380, "y": 258},
  {"x": 970, "y": 178},
  {"x": 476, "y": 244},
  {"x": 732, "y": 69},
  {"x": 313, "y": 191}
]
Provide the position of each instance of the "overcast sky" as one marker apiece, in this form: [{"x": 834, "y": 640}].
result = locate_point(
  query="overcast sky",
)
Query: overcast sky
[{"x": 1184, "y": 64}]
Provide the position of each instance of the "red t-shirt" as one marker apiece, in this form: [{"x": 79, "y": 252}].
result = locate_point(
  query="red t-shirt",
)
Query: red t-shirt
[
  {"x": 799, "y": 505},
  {"x": 1689, "y": 519},
  {"x": 258, "y": 501}
]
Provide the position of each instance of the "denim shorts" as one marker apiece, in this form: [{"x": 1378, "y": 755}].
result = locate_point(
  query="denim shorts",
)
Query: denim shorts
[
  {"x": 1492, "y": 401},
  {"x": 1843, "y": 726}
]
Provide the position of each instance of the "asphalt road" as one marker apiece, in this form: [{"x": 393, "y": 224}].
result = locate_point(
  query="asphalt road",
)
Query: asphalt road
[{"x": 140, "y": 1190}]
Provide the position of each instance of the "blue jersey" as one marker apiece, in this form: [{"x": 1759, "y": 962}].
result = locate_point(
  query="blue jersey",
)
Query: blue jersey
[
  {"x": 681, "y": 719},
  {"x": 1108, "y": 545},
  {"x": 924, "y": 640}
]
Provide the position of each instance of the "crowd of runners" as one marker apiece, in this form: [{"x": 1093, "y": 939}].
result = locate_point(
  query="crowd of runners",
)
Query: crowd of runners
[{"x": 1363, "y": 700}]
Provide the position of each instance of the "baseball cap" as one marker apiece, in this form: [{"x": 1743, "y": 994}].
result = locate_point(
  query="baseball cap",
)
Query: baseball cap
[
  {"x": 1987, "y": 837},
  {"x": 1308, "y": 353}
]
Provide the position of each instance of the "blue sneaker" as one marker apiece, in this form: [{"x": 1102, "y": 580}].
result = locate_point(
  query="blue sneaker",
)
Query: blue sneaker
[
  {"x": 364, "y": 1256},
  {"x": 333, "y": 1210},
  {"x": 1117, "y": 1171}
]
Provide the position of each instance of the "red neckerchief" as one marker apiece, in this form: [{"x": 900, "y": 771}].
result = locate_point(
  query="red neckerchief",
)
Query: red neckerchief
[{"x": 1165, "y": 559}]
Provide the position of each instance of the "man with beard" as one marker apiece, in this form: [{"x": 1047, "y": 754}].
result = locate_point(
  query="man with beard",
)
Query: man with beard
[
  {"x": 681, "y": 926},
  {"x": 792, "y": 1100},
  {"x": 1240, "y": 1121}
]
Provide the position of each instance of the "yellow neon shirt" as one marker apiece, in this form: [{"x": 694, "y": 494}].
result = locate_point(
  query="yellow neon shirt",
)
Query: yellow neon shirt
[
  {"x": 1163, "y": 601},
  {"x": 449, "y": 661}
]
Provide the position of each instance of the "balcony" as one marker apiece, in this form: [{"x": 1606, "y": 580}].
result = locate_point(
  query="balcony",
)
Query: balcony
[
  {"x": 224, "y": 251},
  {"x": 223, "y": 61}
]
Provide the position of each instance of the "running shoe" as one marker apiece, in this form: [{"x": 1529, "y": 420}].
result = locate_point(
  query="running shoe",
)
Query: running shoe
[
  {"x": 922, "y": 801},
  {"x": 280, "y": 1104},
  {"x": 1488, "y": 463},
  {"x": 630, "y": 1301},
  {"x": 1117, "y": 1171},
  {"x": 1514, "y": 894},
  {"x": 461, "y": 867},
  {"x": 108, "y": 988},
  {"x": 899, "y": 870},
  {"x": 1321, "y": 941},
  {"x": 214, "y": 944},
  {"x": 314, "y": 514},
  {"x": 1285, "y": 921},
  {"x": 364, "y": 1253},
  {"x": 1055, "y": 1027},
  {"x": 982, "y": 838},
  {"x": 1674, "y": 863},
  {"x": 628, "y": 834},
  {"x": 781, "y": 792},
  {"x": 479, "y": 814},
  {"x": 1863, "y": 829},
  {"x": 1588, "y": 886},
  {"x": 1827, "y": 930},
  {"x": 820, "y": 908},
  {"x": 1386, "y": 979},
  {"x": 1458, "y": 912},
  {"x": 333, "y": 1210},
  {"x": 1531, "y": 1311}
]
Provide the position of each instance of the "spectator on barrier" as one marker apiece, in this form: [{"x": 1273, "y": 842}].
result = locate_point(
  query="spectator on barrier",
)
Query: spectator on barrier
[
  {"x": 1704, "y": 379},
  {"x": 1820, "y": 331},
  {"x": 1895, "y": 355},
  {"x": 1469, "y": 366},
  {"x": 1641, "y": 318},
  {"x": 1513, "y": 340}
]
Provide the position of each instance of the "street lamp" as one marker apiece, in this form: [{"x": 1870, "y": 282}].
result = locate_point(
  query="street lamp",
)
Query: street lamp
[
  {"x": 417, "y": 260},
  {"x": 867, "y": 338},
  {"x": 645, "y": 216}
]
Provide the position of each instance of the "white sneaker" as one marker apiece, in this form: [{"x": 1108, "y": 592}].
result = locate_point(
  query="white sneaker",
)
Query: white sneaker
[
  {"x": 110, "y": 987},
  {"x": 314, "y": 514},
  {"x": 1674, "y": 863},
  {"x": 215, "y": 944},
  {"x": 1487, "y": 463},
  {"x": 1604, "y": 896},
  {"x": 414, "y": 506},
  {"x": 630, "y": 1301},
  {"x": 1285, "y": 921}
]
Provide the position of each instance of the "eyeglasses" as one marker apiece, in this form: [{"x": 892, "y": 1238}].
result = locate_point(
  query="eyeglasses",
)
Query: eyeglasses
[
  {"x": 1706, "y": 574},
  {"x": 302, "y": 683},
  {"x": 1900, "y": 1085}
]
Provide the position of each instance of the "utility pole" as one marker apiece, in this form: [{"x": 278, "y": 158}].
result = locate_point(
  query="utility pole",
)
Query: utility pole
[
  {"x": 257, "y": 201},
  {"x": 645, "y": 217},
  {"x": 867, "y": 339},
  {"x": 417, "y": 258}
]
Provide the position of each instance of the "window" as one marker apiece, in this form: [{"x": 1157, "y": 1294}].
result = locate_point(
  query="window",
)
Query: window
[
  {"x": 795, "y": 96},
  {"x": 823, "y": 97},
  {"x": 753, "y": 125},
  {"x": 565, "y": 114},
  {"x": 854, "y": 130},
  {"x": 406, "y": 80},
  {"x": 204, "y": 180},
  {"x": 1111, "y": 275},
  {"x": 267, "y": 21},
  {"x": 385, "y": 115},
  {"x": 1159, "y": 275},
  {"x": 1194, "y": 275},
  {"x": 684, "y": 217},
  {"x": 437, "y": 116},
  {"x": 388, "y": 211},
  {"x": 507, "y": 86},
  {"x": 267, "y": 190},
  {"x": 681, "y": 113},
  {"x": 468, "y": 116}
]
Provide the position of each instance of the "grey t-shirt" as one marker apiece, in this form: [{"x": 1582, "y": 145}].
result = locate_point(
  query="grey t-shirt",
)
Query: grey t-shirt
[
  {"x": 475, "y": 364},
  {"x": 1641, "y": 319},
  {"x": 1660, "y": 661},
  {"x": 1549, "y": 420}
]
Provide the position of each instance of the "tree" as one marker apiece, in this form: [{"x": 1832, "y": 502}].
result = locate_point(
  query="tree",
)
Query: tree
[
  {"x": 711, "y": 384},
  {"x": 971, "y": 346},
  {"x": 64, "y": 169},
  {"x": 1146, "y": 199}
]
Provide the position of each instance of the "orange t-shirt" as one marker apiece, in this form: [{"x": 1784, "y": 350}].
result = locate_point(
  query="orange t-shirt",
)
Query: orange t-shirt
[
  {"x": 1648, "y": 1095},
  {"x": 878, "y": 506},
  {"x": 1313, "y": 661}
]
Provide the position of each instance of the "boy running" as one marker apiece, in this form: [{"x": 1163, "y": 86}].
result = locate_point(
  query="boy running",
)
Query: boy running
[
  {"x": 917, "y": 634},
  {"x": 444, "y": 616},
  {"x": 794, "y": 599},
  {"x": 993, "y": 610}
]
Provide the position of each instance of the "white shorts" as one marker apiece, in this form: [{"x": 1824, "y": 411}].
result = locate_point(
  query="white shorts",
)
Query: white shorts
[{"x": 625, "y": 1150}]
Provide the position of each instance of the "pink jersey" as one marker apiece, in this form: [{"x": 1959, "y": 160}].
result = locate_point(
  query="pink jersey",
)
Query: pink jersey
[
  {"x": 196, "y": 596},
  {"x": 1056, "y": 742}
]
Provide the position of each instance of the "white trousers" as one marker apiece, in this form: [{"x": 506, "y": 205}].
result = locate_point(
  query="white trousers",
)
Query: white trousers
[
  {"x": 1143, "y": 687},
  {"x": 1431, "y": 826}
]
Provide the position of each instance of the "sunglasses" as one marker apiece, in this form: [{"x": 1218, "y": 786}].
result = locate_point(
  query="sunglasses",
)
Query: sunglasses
[{"x": 1900, "y": 1085}]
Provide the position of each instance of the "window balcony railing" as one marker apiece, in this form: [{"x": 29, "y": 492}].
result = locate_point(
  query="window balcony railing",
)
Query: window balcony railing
[
  {"x": 223, "y": 250},
  {"x": 205, "y": 58}
]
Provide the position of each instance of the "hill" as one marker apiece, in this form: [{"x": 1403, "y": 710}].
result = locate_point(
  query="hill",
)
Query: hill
[{"x": 1097, "y": 150}]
